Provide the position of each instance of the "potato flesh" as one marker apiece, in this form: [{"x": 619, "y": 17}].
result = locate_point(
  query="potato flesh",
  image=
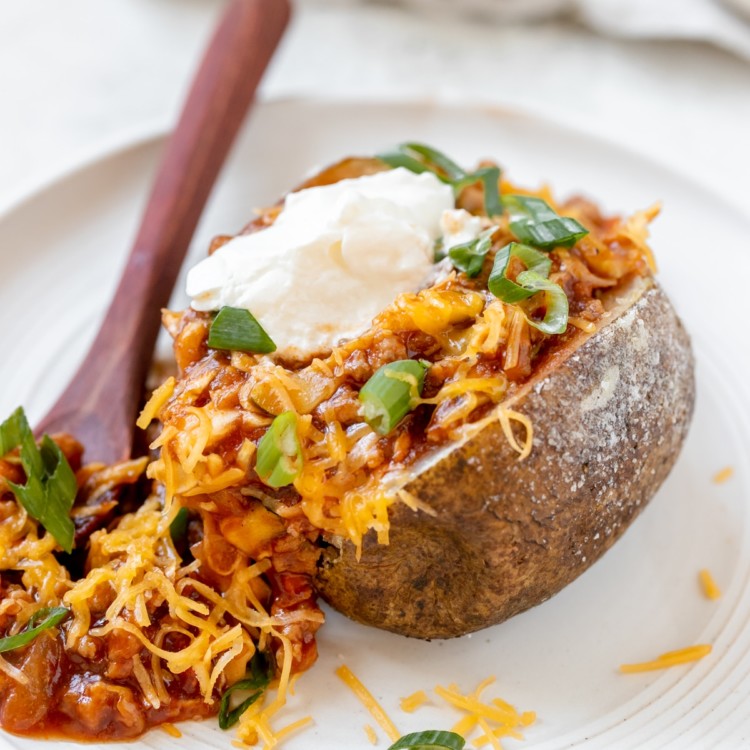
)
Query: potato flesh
[{"x": 609, "y": 422}]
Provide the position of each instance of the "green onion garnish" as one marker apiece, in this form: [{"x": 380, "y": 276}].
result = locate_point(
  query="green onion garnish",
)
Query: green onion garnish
[
  {"x": 555, "y": 301},
  {"x": 533, "y": 260},
  {"x": 257, "y": 681},
  {"x": 279, "y": 459},
  {"x": 469, "y": 256},
  {"x": 51, "y": 485},
  {"x": 418, "y": 157},
  {"x": 389, "y": 395},
  {"x": 534, "y": 222},
  {"x": 434, "y": 159},
  {"x": 490, "y": 179},
  {"x": 42, "y": 619},
  {"x": 430, "y": 740},
  {"x": 529, "y": 282},
  {"x": 13, "y": 431},
  {"x": 178, "y": 527},
  {"x": 235, "y": 329}
]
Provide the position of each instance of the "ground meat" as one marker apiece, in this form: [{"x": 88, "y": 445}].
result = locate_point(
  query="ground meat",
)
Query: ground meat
[
  {"x": 343, "y": 406},
  {"x": 385, "y": 348},
  {"x": 25, "y": 705},
  {"x": 101, "y": 708},
  {"x": 190, "y": 331},
  {"x": 121, "y": 648},
  {"x": 294, "y": 593}
]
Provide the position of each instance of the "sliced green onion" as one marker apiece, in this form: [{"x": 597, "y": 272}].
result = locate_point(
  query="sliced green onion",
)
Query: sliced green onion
[
  {"x": 42, "y": 619},
  {"x": 235, "y": 329},
  {"x": 555, "y": 301},
  {"x": 279, "y": 459},
  {"x": 469, "y": 256},
  {"x": 12, "y": 431},
  {"x": 534, "y": 222},
  {"x": 430, "y": 740},
  {"x": 418, "y": 158},
  {"x": 51, "y": 485},
  {"x": 398, "y": 158},
  {"x": 436, "y": 158},
  {"x": 529, "y": 282},
  {"x": 490, "y": 179},
  {"x": 510, "y": 291},
  {"x": 178, "y": 527},
  {"x": 258, "y": 680},
  {"x": 389, "y": 395}
]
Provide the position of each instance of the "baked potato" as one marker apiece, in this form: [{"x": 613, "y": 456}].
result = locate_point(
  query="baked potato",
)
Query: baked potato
[
  {"x": 544, "y": 333},
  {"x": 609, "y": 416},
  {"x": 456, "y": 396}
]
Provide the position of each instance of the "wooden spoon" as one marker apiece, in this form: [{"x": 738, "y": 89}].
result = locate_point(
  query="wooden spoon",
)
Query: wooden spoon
[{"x": 100, "y": 404}]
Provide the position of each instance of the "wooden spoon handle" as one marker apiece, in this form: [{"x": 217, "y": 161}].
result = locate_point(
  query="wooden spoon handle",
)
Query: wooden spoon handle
[{"x": 100, "y": 404}]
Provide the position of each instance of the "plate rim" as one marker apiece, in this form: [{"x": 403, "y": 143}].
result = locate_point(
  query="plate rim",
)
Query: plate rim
[{"x": 154, "y": 131}]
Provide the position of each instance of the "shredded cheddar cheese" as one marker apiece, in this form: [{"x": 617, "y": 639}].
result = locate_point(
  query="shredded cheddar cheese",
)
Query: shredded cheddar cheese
[
  {"x": 412, "y": 702},
  {"x": 708, "y": 585},
  {"x": 371, "y": 736},
  {"x": 669, "y": 659},
  {"x": 723, "y": 475},
  {"x": 158, "y": 398},
  {"x": 171, "y": 730},
  {"x": 494, "y": 719},
  {"x": 368, "y": 701}
]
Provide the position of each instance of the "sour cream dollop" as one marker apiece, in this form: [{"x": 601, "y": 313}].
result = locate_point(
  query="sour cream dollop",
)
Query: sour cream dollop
[{"x": 333, "y": 259}]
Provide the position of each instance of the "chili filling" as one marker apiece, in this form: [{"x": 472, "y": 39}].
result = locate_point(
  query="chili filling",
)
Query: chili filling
[{"x": 164, "y": 618}]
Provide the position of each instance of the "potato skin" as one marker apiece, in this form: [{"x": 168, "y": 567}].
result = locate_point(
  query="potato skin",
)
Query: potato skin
[{"x": 608, "y": 421}]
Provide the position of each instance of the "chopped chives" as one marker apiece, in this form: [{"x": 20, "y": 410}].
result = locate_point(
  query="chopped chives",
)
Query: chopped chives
[{"x": 235, "y": 329}]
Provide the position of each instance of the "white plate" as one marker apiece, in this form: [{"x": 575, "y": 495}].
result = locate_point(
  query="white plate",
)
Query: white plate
[{"x": 62, "y": 249}]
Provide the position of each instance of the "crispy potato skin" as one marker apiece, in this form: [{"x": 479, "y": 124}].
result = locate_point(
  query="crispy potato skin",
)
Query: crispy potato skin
[{"x": 608, "y": 421}]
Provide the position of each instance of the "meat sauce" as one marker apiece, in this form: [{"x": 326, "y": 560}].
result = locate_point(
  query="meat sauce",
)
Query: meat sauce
[
  {"x": 93, "y": 697},
  {"x": 90, "y": 691}
]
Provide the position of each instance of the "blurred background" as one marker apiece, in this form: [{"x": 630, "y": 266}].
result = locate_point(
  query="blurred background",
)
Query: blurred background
[{"x": 669, "y": 79}]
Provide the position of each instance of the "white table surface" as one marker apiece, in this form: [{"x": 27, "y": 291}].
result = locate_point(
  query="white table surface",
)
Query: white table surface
[{"x": 80, "y": 76}]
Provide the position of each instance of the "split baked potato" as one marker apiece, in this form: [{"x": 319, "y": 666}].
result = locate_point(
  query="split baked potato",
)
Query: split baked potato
[
  {"x": 431, "y": 461},
  {"x": 544, "y": 334},
  {"x": 609, "y": 416}
]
